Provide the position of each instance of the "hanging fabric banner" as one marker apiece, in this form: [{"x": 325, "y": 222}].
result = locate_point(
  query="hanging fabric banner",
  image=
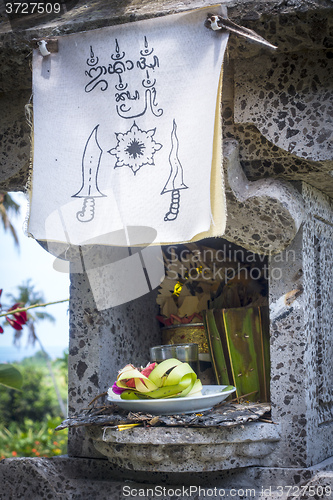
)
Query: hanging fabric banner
[{"x": 127, "y": 134}]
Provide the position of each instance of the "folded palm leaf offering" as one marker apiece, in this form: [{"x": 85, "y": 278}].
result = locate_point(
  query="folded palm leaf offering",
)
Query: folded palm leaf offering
[{"x": 169, "y": 379}]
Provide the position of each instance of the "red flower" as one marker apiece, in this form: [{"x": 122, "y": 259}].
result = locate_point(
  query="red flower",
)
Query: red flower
[
  {"x": 20, "y": 318},
  {"x": 147, "y": 371},
  {"x": 15, "y": 324},
  {"x": 174, "y": 319},
  {"x": 131, "y": 381}
]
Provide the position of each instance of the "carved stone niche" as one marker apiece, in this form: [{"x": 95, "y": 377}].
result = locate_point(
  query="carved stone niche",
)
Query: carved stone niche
[{"x": 263, "y": 216}]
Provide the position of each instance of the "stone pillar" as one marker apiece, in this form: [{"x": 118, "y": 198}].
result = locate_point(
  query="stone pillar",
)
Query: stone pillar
[
  {"x": 102, "y": 342},
  {"x": 302, "y": 338}
]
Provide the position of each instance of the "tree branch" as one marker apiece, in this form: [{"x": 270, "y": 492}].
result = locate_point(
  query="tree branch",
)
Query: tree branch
[{"x": 21, "y": 309}]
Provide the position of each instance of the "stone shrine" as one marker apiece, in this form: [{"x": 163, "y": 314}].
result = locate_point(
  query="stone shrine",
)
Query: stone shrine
[{"x": 277, "y": 114}]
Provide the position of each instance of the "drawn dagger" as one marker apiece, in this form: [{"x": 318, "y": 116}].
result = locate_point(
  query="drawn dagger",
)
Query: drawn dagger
[
  {"x": 175, "y": 181},
  {"x": 89, "y": 190}
]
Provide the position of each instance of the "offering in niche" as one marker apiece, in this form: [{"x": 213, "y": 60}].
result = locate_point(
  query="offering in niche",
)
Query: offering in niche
[{"x": 169, "y": 379}]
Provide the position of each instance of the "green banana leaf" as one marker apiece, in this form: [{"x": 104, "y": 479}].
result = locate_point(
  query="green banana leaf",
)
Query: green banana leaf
[
  {"x": 10, "y": 376},
  {"x": 219, "y": 321},
  {"x": 215, "y": 348},
  {"x": 264, "y": 318},
  {"x": 238, "y": 342},
  {"x": 243, "y": 328}
]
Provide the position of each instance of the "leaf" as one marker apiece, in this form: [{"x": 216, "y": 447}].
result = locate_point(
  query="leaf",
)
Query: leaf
[
  {"x": 215, "y": 347},
  {"x": 246, "y": 351},
  {"x": 10, "y": 376},
  {"x": 169, "y": 307},
  {"x": 189, "y": 306}
]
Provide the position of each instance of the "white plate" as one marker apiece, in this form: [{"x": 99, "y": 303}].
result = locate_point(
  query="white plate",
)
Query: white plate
[{"x": 211, "y": 395}]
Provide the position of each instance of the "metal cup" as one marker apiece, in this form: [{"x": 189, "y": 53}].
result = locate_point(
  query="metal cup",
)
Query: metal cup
[{"x": 187, "y": 353}]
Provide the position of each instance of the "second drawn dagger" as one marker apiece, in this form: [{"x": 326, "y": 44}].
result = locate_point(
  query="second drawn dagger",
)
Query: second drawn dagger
[{"x": 175, "y": 181}]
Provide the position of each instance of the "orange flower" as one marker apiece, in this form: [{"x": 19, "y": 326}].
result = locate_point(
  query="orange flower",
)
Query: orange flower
[
  {"x": 14, "y": 453},
  {"x": 33, "y": 450},
  {"x": 37, "y": 454},
  {"x": 55, "y": 442},
  {"x": 37, "y": 442}
]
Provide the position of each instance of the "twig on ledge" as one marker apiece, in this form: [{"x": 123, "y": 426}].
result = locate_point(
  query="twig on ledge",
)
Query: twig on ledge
[
  {"x": 97, "y": 397},
  {"x": 241, "y": 397}
]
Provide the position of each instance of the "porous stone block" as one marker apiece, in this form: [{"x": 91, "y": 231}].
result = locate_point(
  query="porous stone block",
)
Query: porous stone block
[
  {"x": 290, "y": 100},
  {"x": 101, "y": 343},
  {"x": 15, "y": 141},
  {"x": 262, "y": 216},
  {"x": 301, "y": 338},
  {"x": 187, "y": 449},
  {"x": 60, "y": 478}
]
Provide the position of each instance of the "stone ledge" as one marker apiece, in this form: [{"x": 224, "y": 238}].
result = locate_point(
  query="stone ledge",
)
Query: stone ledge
[
  {"x": 85, "y": 479},
  {"x": 187, "y": 449}
]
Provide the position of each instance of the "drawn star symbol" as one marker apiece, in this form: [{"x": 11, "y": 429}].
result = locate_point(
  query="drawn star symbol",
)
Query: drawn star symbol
[{"x": 135, "y": 148}]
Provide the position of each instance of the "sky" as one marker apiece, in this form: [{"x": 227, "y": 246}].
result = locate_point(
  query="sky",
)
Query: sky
[{"x": 31, "y": 261}]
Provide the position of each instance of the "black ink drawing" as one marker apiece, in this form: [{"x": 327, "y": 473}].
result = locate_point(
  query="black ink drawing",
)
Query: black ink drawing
[
  {"x": 129, "y": 104},
  {"x": 117, "y": 56},
  {"x": 142, "y": 63},
  {"x": 92, "y": 60},
  {"x": 146, "y": 62},
  {"x": 119, "y": 67},
  {"x": 122, "y": 96},
  {"x": 175, "y": 181},
  {"x": 90, "y": 165},
  {"x": 135, "y": 148},
  {"x": 95, "y": 73},
  {"x": 149, "y": 102}
]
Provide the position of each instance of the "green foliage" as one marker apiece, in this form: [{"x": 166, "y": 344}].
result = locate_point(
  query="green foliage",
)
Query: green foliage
[
  {"x": 37, "y": 396},
  {"x": 28, "y": 417},
  {"x": 10, "y": 376},
  {"x": 33, "y": 439},
  {"x": 8, "y": 207},
  {"x": 62, "y": 365},
  {"x": 33, "y": 401}
]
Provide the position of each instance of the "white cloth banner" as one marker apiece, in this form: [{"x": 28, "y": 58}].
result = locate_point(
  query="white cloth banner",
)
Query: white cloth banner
[{"x": 124, "y": 123}]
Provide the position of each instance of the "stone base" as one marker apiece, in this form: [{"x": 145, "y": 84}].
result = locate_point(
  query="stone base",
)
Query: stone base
[
  {"x": 67, "y": 478},
  {"x": 187, "y": 449}
]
